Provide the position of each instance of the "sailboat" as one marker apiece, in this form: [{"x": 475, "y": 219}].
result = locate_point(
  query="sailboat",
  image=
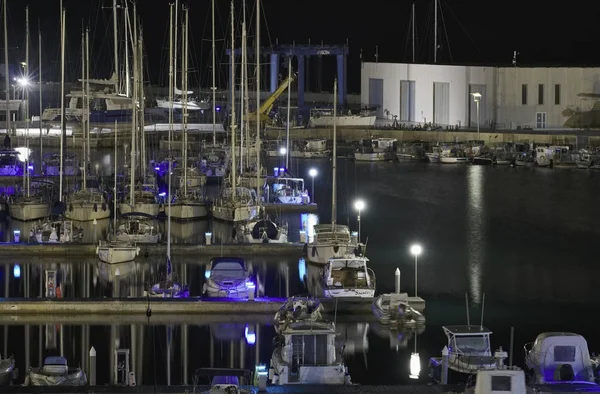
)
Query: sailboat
[
  {"x": 235, "y": 204},
  {"x": 115, "y": 252},
  {"x": 87, "y": 204},
  {"x": 189, "y": 203},
  {"x": 169, "y": 288},
  {"x": 27, "y": 207},
  {"x": 331, "y": 240}
]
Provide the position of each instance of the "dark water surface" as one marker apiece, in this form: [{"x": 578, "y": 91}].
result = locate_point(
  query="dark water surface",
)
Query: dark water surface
[{"x": 525, "y": 237}]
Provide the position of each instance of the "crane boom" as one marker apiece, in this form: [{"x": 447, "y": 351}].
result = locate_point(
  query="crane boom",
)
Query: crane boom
[{"x": 267, "y": 105}]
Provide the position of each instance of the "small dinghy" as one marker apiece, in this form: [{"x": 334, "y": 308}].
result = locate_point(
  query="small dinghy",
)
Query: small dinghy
[
  {"x": 7, "y": 370},
  {"x": 297, "y": 308},
  {"x": 55, "y": 372},
  {"x": 393, "y": 309}
]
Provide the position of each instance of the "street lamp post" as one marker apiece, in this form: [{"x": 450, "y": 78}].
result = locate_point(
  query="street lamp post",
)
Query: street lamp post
[
  {"x": 313, "y": 173},
  {"x": 359, "y": 205},
  {"x": 477, "y": 99},
  {"x": 283, "y": 152},
  {"x": 416, "y": 250}
]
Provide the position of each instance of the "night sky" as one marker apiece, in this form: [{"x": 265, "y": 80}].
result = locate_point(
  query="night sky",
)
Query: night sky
[{"x": 471, "y": 32}]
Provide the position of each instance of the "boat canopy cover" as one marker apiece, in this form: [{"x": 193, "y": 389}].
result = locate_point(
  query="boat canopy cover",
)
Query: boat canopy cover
[
  {"x": 327, "y": 228},
  {"x": 55, "y": 360},
  {"x": 230, "y": 267},
  {"x": 264, "y": 226},
  {"x": 466, "y": 330}
]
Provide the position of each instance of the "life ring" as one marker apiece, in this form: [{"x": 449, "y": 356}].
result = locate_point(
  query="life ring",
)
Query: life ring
[
  {"x": 104, "y": 206},
  {"x": 95, "y": 207}
]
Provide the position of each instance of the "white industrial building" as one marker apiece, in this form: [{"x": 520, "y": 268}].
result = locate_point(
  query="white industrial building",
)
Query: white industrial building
[{"x": 512, "y": 97}]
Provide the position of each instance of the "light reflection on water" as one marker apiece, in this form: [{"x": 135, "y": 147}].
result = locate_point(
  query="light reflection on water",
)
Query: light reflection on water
[{"x": 475, "y": 230}]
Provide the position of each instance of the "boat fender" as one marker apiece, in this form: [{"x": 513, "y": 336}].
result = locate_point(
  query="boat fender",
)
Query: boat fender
[
  {"x": 314, "y": 251},
  {"x": 336, "y": 248},
  {"x": 71, "y": 207},
  {"x": 95, "y": 207},
  {"x": 305, "y": 250},
  {"x": 104, "y": 206}
]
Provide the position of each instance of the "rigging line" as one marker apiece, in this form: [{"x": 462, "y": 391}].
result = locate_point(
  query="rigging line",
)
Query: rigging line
[
  {"x": 463, "y": 28},
  {"x": 446, "y": 35},
  {"x": 408, "y": 38}
]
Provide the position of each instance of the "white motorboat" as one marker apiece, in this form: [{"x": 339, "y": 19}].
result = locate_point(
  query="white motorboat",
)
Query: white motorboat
[
  {"x": 469, "y": 350},
  {"x": 327, "y": 118},
  {"x": 57, "y": 231},
  {"x": 138, "y": 228},
  {"x": 505, "y": 380},
  {"x": 27, "y": 208},
  {"x": 412, "y": 151},
  {"x": 228, "y": 277},
  {"x": 144, "y": 201},
  {"x": 312, "y": 149},
  {"x": 10, "y": 163},
  {"x": 393, "y": 310},
  {"x": 261, "y": 231},
  {"x": 453, "y": 155},
  {"x": 434, "y": 155},
  {"x": 87, "y": 205},
  {"x": 377, "y": 149},
  {"x": 193, "y": 177},
  {"x": 331, "y": 240},
  {"x": 55, "y": 372},
  {"x": 282, "y": 189},
  {"x": 117, "y": 252},
  {"x": 52, "y": 165},
  {"x": 348, "y": 276},
  {"x": 306, "y": 353},
  {"x": 188, "y": 206},
  {"x": 297, "y": 308},
  {"x": 560, "y": 358},
  {"x": 178, "y": 104},
  {"x": 7, "y": 370},
  {"x": 235, "y": 205}
]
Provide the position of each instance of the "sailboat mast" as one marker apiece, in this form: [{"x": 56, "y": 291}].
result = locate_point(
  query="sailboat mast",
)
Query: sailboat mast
[
  {"x": 287, "y": 128},
  {"x": 258, "y": 172},
  {"x": 175, "y": 37},
  {"x": 126, "y": 24},
  {"x": 84, "y": 110},
  {"x": 142, "y": 102},
  {"x": 413, "y": 32},
  {"x": 233, "y": 122},
  {"x": 115, "y": 185},
  {"x": 435, "y": 30},
  {"x": 6, "y": 76},
  {"x": 334, "y": 159},
  {"x": 62, "y": 102},
  {"x": 170, "y": 129},
  {"x": 214, "y": 77},
  {"x": 184, "y": 83},
  {"x": 87, "y": 98},
  {"x": 242, "y": 92},
  {"x": 26, "y": 88},
  {"x": 116, "y": 43},
  {"x": 40, "y": 83}
]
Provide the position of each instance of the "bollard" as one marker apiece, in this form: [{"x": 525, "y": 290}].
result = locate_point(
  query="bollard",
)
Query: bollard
[
  {"x": 445, "y": 365},
  {"x": 208, "y": 237},
  {"x": 303, "y": 237},
  {"x": 251, "y": 287},
  {"x": 397, "y": 281},
  {"x": 92, "y": 371}
]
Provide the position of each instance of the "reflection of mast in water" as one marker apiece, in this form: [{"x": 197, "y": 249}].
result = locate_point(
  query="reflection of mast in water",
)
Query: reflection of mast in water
[{"x": 284, "y": 271}]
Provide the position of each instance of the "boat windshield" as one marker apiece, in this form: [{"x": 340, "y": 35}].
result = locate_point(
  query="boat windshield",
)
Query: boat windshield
[
  {"x": 470, "y": 344},
  {"x": 228, "y": 270}
]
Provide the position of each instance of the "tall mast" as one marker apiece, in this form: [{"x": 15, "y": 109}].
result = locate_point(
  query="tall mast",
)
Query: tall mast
[
  {"x": 116, "y": 43},
  {"x": 287, "y": 128},
  {"x": 40, "y": 83},
  {"x": 258, "y": 172},
  {"x": 184, "y": 83},
  {"x": 6, "y": 76},
  {"x": 214, "y": 82},
  {"x": 142, "y": 102},
  {"x": 133, "y": 118},
  {"x": 115, "y": 184},
  {"x": 413, "y": 32},
  {"x": 435, "y": 30},
  {"x": 126, "y": 24},
  {"x": 242, "y": 92},
  {"x": 334, "y": 166},
  {"x": 233, "y": 122},
  {"x": 87, "y": 97},
  {"x": 26, "y": 88},
  {"x": 170, "y": 133},
  {"x": 175, "y": 37},
  {"x": 62, "y": 102},
  {"x": 83, "y": 101}
]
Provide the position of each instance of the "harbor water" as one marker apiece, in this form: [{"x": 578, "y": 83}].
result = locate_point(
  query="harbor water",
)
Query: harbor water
[{"x": 523, "y": 236}]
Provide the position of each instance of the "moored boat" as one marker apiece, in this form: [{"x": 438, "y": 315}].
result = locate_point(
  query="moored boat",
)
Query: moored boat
[
  {"x": 117, "y": 252},
  {"x": 228, "y": 277},
  {"x": 348, "y": 276},
  {"x": 55, "y": 372}
]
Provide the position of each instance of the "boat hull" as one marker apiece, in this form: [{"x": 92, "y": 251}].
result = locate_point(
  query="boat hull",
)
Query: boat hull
[
  {"x": 453, "y": 160},
  {"x": 235, "y": 213},
  {"x": 116, "y": 255},
  {"x": 187, "y": 211},
  {"x": 86, "y": 212},
  {"x": 306, "y": 374},
  {"x": 151, "y": 209},
  {"x": 27, "y": 211},
  {"x": 281, "y": 239},
  {"x": 348, "y": 293},
  {"x": 55, "y": 171},
  {"x": 433, "y": 157},
  {"x": 214, "y": 289},
  {"x": 140, "y": 239},
  {"x": 46, "y": 379},
  {"x": 320, "y": 254},
  {"x": 375, "y": 156},
  {"x": 309, "y": 155}
]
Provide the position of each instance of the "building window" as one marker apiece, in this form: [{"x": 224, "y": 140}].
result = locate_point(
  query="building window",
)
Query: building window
[
  {"x": 540, "y": 120},
  {"x": 524, "y": 94},
  {"x": 540, "y": 94},
  {"x": 556, "y": 94}
]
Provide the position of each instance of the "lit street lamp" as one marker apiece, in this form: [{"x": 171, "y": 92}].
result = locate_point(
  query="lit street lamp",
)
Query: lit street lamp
[
  {"x": 477, "y": 99},
  {"x": 359, "y": 205},
  {"x": 313, "y": 173},
  {"x": 416, "y": 250},
  {"x": 282, "y": 151}
]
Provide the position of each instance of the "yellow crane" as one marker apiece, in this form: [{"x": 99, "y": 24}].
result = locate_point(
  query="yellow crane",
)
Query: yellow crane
[{"x": 265, "y": 108}]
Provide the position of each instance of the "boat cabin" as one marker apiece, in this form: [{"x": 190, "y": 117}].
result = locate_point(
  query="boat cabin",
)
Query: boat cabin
[
  {"x": 559, "y": 357},
  {"x": 316, "y": 145},
  {"x": 327, "y": 233},
  {"x": 55, "y": 365},
  {"x": 348, "y": 272},
  {"x": 468, "y": 340},
  {"x": 505, "y": 380}
]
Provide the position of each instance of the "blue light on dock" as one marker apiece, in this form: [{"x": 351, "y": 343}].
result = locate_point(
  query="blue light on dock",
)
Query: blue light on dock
[
  {"x": 218, "y": 108},
  {"x": 17, "y": 271},
  {"x": 162, "y": 194},
  {"x": 156, "y": 168},
  {"x": 207, "y": 273},
  {"x": 302, "y": 269},
  {"x": 250, "y": 335}
]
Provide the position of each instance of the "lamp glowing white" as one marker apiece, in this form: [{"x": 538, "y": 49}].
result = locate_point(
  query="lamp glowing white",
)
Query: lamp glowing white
[
  {"x": 313, "y": 173},
  {"x": 416, "y": 250},
  {"x": 359, "y": 205},
  {"x": 415, "y": 366},
  {"x": 282, "y": 151}
]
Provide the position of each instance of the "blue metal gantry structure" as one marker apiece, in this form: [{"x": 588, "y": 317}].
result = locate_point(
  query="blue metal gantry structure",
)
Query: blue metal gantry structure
[{"x": 302, "y": 52}]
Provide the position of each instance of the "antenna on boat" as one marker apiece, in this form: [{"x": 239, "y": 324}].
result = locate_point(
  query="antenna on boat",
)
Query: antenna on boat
[
  {"x": 467, "y": 306},
  {"x": 482, "y": 309}
]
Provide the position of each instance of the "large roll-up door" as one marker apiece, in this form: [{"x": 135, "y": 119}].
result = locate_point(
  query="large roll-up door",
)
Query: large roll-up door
[
  {"x": 441, "y": 103},
  {"x": 376, "y": 95},
  {"x": 473, "y": 105},
  {"x": 407, "y": 101}
]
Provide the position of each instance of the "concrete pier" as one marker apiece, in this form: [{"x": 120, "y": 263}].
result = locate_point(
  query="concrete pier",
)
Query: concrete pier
[{"x": 271, "y": 249}]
